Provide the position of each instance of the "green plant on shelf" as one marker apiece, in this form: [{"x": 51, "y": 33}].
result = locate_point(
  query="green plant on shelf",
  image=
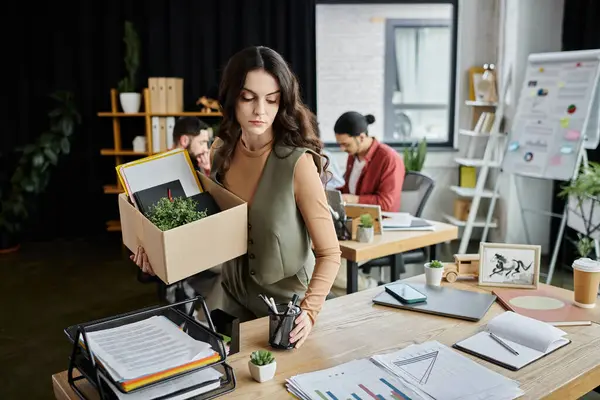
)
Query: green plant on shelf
[
  {"x": 132, "y": 59},
  {"x": 262, "y": 357},
  {"x": 436, "y": 264}
]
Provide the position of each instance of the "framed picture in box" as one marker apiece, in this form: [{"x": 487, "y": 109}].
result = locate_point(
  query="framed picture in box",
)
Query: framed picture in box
[{"x": 509, "y": 265}]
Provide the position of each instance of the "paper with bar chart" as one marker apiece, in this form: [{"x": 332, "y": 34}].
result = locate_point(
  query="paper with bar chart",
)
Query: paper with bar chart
[
  {"x": 434, "y": 369},
  {"x": 355, "y": 380}
]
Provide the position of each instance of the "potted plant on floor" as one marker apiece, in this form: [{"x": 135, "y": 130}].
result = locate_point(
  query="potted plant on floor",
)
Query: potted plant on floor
[
  {"x": 583, "y": 198},
  {"x": 365, "y": 232},
  {"x": 262, "y": 365},
  {"x": 129, "y": 97},
  {"x": 433, "y": 273},
  {"x": 34, "y": 163},
  {"x": 414, "y": 159}
]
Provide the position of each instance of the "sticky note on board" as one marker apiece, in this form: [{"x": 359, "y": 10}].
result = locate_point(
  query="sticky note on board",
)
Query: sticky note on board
[
  {"x": 561, "y": 84},
  {"x": 556, "y": 160},
  {"x": 564, "y": 122},
  {"x": 566, "y": 149},
  {"x": 572, "y": 135}
]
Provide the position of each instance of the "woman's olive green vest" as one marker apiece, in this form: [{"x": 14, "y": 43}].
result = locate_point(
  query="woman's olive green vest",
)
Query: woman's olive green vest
[{"x": 279, "y": 245}]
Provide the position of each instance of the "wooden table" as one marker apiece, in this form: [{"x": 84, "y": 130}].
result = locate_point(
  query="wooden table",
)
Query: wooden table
[
  {"x": 350, "y": 327},
  {"x": 391, "y": 243}
]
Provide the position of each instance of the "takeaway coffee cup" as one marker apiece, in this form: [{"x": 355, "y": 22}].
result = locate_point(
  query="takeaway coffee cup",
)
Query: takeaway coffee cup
[{"x": 586, "y": 281}]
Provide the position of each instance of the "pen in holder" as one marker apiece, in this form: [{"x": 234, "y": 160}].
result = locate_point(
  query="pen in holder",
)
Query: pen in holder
[{"x": 282, "y": 323}]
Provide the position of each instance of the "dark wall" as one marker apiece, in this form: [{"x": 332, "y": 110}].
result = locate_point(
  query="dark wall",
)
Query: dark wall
[
  {"x": 581, "y": 31},
  {"x": 78, "y": 46}
]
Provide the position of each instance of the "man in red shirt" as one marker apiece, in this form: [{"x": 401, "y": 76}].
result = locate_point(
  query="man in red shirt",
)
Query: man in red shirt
[
  {"x": 374, "y": 171},
  {"x": 374, "y": 175}
]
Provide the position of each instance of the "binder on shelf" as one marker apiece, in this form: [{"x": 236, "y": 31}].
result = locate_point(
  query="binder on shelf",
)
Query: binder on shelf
[{"x": 90, "y": 369}]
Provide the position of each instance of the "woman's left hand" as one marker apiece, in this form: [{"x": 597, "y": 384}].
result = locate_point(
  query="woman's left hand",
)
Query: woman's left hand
[{"x": 303, "y": 327}]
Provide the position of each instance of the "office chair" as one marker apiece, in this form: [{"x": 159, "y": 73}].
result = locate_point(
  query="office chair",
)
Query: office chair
[{"x": 416, "y": 190}]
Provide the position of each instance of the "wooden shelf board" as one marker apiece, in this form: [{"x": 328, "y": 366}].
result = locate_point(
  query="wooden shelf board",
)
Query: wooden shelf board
[
  {"x": 113, "y": 189},
  {"x": 113, "y": 226},
  {"x": 174, "y": 114},
  {"x": 113, "y": 152}
]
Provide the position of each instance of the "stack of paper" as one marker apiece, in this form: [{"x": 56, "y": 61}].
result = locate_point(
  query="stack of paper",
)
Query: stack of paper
[
  {"x": 151, "y": 350},
  {"x": 436, "y": 371},
  {"x": 401, "y": 221}
]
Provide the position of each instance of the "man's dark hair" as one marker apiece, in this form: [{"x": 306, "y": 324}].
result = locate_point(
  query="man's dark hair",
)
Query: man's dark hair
[{"x": 188, "y": 126}]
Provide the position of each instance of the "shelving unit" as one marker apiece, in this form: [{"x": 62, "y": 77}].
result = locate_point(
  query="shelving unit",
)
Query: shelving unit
[
  {"x": 491, "y": 158},
  {"x": 119, "y": 152}
]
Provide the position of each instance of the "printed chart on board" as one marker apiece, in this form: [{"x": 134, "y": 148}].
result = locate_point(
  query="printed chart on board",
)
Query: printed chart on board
[{"x": 555, "y": 99}]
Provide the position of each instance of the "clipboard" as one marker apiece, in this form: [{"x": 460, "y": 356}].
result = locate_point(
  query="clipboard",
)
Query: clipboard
[{"x": 158, "y": 169}]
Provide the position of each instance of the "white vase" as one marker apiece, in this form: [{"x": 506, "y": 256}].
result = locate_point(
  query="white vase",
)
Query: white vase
[
  {"x": 365, "y": 235},
  {"x": 433, "y": 276},
  {"x": 262, "y": 373},
  {"x": 130, "y": 102}
]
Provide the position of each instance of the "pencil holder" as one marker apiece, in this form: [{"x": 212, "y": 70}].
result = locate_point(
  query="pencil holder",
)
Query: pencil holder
[{"x": 280, "y": 326}]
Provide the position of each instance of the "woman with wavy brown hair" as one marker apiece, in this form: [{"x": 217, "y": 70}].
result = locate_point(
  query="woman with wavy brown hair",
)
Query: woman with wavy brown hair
[{"x": 268, "y": 154}]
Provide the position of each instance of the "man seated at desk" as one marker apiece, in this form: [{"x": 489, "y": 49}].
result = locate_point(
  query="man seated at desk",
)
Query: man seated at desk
[
  {"x": 374, "y": 171},
  {"x": 191, "y": 133},
  {"x": 374, "y": 175}
]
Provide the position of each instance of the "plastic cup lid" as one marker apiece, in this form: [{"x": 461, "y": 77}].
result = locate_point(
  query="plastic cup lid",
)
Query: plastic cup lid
[{"x": 587, "y": 265}]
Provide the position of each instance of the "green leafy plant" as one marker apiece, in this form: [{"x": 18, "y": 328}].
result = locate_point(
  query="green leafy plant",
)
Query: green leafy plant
[
  {"x": 132, "y": 58},
  {"x": 585, "y": 246},
  {"x": 414, "y": 156},
  {"x": 262, "y": 357},
  {"x": 366, "y": 221},
  {"x": 586, "y": 186},
  {"x": 436, "y": 264},
  {"x": 168, "y": 214},
  {"x": 32, "y": 173}
]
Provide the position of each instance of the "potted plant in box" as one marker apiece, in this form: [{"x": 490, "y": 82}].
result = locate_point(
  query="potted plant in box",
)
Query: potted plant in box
[
  {"x": 365, "y": 231},
  {"x": 129, "y": 97},
  {"x": 262, "y": 365},
  {"x": 170, "y": 213},
  {"x": 433, "y": 273}
]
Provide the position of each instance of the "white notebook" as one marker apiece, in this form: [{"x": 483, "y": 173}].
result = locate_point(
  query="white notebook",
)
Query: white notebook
[{"x": 531, "y": 338}]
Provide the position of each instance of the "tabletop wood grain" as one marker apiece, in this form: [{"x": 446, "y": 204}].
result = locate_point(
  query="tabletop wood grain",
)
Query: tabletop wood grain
[{"x": 352, "y": 327}]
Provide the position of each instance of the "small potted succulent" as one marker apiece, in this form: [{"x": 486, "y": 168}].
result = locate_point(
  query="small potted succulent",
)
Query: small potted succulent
[
  {"x": 262, "y": 365},
  {"x": 433, "y": 273},
  {"x": 365, "y": 231}
]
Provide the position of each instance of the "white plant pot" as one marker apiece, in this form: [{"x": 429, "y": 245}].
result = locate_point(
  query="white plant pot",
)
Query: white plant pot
[
  {"x": 578, "y": 218},
  {"x": 365, "y": 235},
  {"x": 130, "y": 102},
  {"x": 262, "y": 373},
  {"x": 433, "y": 276}
]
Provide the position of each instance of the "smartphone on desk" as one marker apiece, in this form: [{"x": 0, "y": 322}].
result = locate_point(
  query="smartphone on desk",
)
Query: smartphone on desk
[{"x": 405, "y": 293}]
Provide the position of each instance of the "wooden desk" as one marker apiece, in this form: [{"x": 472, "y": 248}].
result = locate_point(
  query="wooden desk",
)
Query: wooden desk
[
  {"x": 347, "y": 329},
  {"x": 391, "y": 242}
]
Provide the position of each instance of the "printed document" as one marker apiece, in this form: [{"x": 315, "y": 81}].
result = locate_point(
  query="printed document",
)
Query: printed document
[{"x": 145, "y": 347}]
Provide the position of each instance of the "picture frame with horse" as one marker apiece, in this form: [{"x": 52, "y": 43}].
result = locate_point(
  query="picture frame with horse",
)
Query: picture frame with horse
[{"x": 509, "y": 265}]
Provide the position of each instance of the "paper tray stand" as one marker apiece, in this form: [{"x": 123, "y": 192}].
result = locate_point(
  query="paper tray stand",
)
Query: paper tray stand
[{"x": 82, "y": 360}]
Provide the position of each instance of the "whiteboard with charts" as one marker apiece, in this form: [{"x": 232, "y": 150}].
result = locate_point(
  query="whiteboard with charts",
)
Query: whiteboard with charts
[{"x": 558, "y": 111}]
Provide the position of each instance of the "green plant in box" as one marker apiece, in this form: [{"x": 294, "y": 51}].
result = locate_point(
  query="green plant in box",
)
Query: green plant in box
[
  {"x": 170, "y": 213},
  {"x": 262, "y": 357},
  {"x": 436, "y": 264},
  {"x": 366, "y": 221}
]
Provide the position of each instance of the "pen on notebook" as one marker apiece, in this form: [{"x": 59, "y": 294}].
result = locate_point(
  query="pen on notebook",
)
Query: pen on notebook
[{"x": 507, "y": 347}]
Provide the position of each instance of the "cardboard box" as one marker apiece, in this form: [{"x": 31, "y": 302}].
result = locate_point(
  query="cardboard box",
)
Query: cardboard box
[{"x": 184, "y": 251}]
